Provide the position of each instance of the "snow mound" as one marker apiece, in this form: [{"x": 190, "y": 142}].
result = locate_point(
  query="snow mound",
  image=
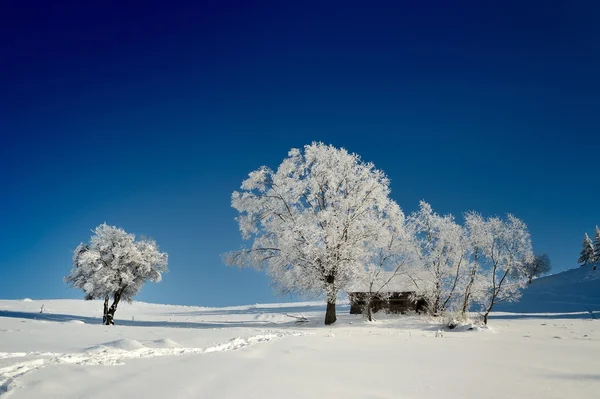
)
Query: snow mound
[
  {"x": 237, "y": 343},
  {"x": 470, "y": 327},
  {"x": 120, "y": 344},
  {"x": 27, "y": 300},
  {"x": 272, "y": 318},
  {"x": 165, "y": 343},
  {"x": 75, "y": 322}
]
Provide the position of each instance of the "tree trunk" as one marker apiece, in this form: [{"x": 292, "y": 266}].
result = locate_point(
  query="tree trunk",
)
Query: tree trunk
[
  {"x": 330, "y": 317},
  {"x": 454, "y": 284},
  {"x": 488, "y": 310},
  {"x": 105, "y": 314},
  {"x": 465, "y": 306},
  {"x": 110, "y": 316},
  {"x": 436, "y": 305},
  {"x": 369, "y": 311},
  {"x": 495, "y": 292},
  {"x": 467, "y": 296}
]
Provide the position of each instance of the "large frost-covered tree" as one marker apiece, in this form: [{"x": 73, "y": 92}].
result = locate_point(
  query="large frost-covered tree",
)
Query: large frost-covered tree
[
  {"x": 587, "y": 256},
  {"x": 441, "y": 251},
  {"x": 115, "y": 265},
  {"x": 315, "y": 221},
  {"x": 505, "y": 248}
]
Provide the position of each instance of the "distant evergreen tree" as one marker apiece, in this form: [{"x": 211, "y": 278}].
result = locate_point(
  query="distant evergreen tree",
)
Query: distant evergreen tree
[
  {"x": 597, "y": 246},
  {"x": 587, "y": 252}
]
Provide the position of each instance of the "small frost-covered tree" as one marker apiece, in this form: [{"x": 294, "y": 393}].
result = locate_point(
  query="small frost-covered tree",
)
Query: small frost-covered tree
[
  {"x": 505, "y": 247},
  {"x": 441, "y": 250},
  {"x": 587, "y": 256},
  {"x": 314, "y": 221},
  {"x": 115, "y": 265},
  {"x": 539, "y": 266}
]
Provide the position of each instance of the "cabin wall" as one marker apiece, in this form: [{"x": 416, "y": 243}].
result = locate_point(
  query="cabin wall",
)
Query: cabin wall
[{"x": 397, "y": 302}]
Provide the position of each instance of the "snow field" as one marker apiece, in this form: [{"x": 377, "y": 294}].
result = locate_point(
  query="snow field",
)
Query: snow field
[{"x": 256, "y": 351}]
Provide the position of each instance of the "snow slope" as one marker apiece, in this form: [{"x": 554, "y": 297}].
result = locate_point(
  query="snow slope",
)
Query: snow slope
[
  {"x": 575, "y": 290},
  {"x": 257, "y": 351}
]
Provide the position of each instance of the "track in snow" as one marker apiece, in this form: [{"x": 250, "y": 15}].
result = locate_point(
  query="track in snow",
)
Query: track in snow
[{"x": 115, "y": 353}]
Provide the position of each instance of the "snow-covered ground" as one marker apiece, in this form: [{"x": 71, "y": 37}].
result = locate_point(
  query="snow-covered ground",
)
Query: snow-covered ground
[{"x": 257, "y": 351}]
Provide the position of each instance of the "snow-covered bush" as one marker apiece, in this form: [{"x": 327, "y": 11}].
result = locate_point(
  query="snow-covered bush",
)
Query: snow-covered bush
[{"x": 461, "y": 322}]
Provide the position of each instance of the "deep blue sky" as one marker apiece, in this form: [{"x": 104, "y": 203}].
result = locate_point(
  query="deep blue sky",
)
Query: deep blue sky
[{"x": 147, "y": 116}]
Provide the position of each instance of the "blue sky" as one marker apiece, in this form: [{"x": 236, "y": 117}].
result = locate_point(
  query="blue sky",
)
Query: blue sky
[{"x": 149, "y": 116}]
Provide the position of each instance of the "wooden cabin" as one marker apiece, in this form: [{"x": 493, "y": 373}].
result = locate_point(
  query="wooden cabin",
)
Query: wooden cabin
[
  {"x": 392, "y": 302},
  {"x": 391, "y": 293}
]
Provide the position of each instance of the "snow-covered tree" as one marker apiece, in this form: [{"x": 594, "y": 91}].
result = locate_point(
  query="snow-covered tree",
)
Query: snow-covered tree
[
  {"x": 597, "y": 245},
  {"x": 587, "y": 256},
  {"x": 115, "y": 265},
  {"x": 391, "y": 258},
  {"x": 505, "y": 247},
  {"x": 441, "y": 251},
  {"x": 315, "y": 221},
  {"x": 475, "y": 238},
  {"x": 539, "y": 266}
]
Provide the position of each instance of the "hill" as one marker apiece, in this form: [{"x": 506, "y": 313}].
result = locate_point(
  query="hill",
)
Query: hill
[{"x": 575, "y": 290}]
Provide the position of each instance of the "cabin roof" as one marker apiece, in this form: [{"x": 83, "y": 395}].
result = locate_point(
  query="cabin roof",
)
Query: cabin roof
[{"x": 390, "y": 282}]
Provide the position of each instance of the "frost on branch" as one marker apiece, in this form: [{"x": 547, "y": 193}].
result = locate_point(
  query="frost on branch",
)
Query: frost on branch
[
  {"x": 115, "y": 265},
  {"x": 315, "y": 222}
]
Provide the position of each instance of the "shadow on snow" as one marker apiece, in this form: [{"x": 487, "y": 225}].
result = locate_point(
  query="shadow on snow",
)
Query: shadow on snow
[
  {"x": 591, "y": 315},
  {"x": 259, "y": 310},
  {"x": 65, "y": 318}
]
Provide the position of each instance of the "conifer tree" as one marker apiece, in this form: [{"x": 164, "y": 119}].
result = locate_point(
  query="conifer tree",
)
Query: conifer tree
[
  {"x": 597, "y": 246},
  {"x": 587, "y": 252}
]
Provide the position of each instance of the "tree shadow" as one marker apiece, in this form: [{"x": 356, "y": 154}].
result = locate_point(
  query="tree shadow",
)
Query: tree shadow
[
  {"x": 577, "y": 377},
  {"x": 258, "y": 310},
  {"x": 591, "y": 315},
  {"x": 65, "y": 318},
  {"x": 551, "y": 304}
]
